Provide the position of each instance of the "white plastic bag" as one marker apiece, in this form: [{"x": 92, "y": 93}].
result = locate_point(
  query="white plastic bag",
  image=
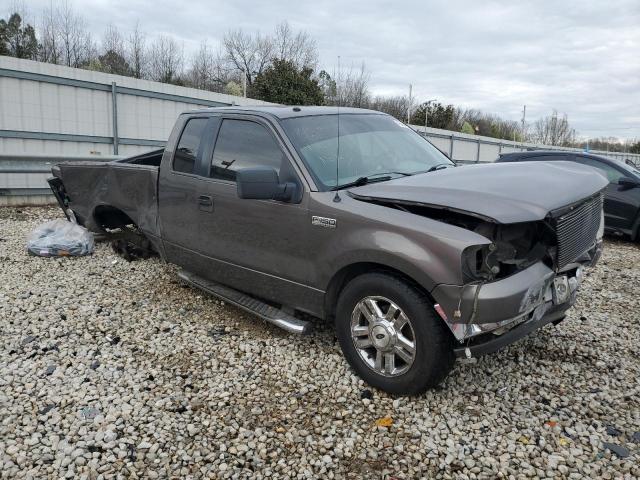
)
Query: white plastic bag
[{"x": 60, "y": 238}]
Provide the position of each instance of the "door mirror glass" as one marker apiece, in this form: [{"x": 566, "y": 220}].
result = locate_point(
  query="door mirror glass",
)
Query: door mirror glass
[
  {"x": 262, "y": 183},
  {"x": 628, "y": 182}
]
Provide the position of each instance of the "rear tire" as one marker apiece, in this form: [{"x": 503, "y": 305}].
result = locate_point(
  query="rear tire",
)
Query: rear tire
[{"x": 391, "y": 335}]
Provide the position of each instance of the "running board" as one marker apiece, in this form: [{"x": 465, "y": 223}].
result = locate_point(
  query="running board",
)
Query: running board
[{"x": 250, "y": 304}]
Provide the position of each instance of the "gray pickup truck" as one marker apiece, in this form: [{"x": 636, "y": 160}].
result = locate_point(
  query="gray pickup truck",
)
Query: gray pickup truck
[{"x": 300, "y": 212}]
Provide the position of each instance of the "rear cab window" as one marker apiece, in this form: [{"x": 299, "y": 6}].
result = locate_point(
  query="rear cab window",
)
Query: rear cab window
[{"x": 189, "y": 150}]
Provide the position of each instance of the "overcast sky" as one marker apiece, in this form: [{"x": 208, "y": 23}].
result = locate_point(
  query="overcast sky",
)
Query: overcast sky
[{"x": 581, "y": 57}]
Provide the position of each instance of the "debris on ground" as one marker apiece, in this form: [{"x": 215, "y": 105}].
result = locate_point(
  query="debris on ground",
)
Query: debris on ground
[
  {"x": 60, "y": 238},
  {"x": 619, "y": 450},
  {"x": 384, "y": 422}
]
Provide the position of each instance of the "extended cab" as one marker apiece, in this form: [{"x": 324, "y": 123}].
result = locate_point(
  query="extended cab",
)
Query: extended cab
[{"x": 350, "y": 215}]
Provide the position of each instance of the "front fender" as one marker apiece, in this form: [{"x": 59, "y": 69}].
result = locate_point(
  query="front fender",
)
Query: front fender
[
  {"x": 424, "y": 249},
  {"x": 396, "y": 251}
]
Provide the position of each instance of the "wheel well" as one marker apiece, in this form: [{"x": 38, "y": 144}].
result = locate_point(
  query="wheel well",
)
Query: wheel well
[
  {"x": 110, "y": 217},
  {"x": 348, "y": 273}
]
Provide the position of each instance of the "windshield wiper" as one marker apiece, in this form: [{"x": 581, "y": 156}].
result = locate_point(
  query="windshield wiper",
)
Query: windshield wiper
[
  {"x": 439, "y": 166},
  {"x": 373, "y": 178}
]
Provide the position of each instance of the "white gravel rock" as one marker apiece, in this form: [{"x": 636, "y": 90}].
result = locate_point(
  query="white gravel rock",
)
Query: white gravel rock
[{"x": 154, "y": 380}]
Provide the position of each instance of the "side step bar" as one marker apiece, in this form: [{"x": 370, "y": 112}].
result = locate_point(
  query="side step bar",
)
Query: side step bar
[{"x": 250, "y": 304}]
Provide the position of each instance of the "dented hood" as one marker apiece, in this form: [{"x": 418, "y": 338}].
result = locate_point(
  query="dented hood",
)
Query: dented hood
[{"x": 503, "y": 192}]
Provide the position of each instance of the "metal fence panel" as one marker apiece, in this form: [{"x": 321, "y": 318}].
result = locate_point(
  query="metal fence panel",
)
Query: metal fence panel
[
  {"x": 474, "y": 148},
  {"x": 489, "y": 152},
  {"x": 464, "y": 150},
  {"x": 43, "y": 102}
]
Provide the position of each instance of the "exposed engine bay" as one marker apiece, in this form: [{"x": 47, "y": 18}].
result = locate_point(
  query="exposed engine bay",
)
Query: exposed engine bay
[
  {"x": 534, "y": 268},
  {"x": 513, "y": 247}
]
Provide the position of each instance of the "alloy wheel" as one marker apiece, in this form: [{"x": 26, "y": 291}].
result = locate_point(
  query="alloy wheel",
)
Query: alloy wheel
[{"x": 383, "y": 336}]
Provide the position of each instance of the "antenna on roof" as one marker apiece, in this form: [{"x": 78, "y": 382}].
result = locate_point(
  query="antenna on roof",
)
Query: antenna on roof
[{"x": 337, "y": 198}]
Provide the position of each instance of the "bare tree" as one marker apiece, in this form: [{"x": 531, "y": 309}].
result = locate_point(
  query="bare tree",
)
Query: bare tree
[
  {"x": 112, "y": 41},
  {"x": 165, "y": 60},
  {"x": 64, "y": 38},
  {"x": 298, "y": 48},
  {"x": 113, "y": 56},
  {"x": 395, "y": 106},
  {"x": 554, "y": 131},
  {"x": 20, "y": 7},
  {"x": 50, "y": 50},
  {"x": 352, "y": 88},
  {"x": 609, "y": 144},
  {"x": 136, "y": 52},
  {"x": 248, "y": 53},
  {"x": 208, "y": 70},
  {"x": 76, "y": 42},
  {"x": 481, "y": 123}
]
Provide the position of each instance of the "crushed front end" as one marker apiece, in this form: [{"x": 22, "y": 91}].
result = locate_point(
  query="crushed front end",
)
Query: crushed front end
[{"x": 526, "y": 277}]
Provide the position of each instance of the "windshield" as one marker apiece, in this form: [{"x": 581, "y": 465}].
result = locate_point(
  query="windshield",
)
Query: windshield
[
  {"x": 630, "y": 168},
  {"x": 370, "y": 144}
]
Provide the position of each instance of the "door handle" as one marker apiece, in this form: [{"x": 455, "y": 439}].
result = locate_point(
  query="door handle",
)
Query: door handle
[{"x": 205, "y": 203}]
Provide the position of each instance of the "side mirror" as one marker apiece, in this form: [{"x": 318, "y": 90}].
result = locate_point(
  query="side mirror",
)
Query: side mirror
[
  {"x": 627, "y": 183},
  {"x": 262, "y": 183}
]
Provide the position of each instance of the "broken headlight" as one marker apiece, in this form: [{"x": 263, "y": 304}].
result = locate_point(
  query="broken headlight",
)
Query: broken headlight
[
  {"x": 478, "y": 263},
  {"x": 513, "y": 248}
]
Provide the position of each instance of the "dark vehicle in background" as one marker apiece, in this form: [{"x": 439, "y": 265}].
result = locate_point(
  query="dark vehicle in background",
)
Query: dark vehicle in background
[
  {"x": 351, "y": 216},
  {"x": 622, "y": 196}
]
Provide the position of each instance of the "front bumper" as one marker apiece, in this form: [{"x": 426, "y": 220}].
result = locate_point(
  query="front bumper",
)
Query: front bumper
[
  {"x": 492, "y": 341},
  {"x": 486, "y": 317}
]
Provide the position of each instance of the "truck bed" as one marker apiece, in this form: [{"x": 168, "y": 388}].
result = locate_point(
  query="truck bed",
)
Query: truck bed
[
  {"x": 151, "y": 159},
  {"x": 129, "y": 185}
]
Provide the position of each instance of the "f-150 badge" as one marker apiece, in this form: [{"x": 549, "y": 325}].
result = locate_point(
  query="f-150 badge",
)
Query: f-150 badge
[{"x": 323, "y": 222}]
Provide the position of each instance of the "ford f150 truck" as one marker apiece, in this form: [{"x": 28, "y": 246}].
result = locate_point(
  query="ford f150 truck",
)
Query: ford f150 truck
[{"x": 349, "y": 215}]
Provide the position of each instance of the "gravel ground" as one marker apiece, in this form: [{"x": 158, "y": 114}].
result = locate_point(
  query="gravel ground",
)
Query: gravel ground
[{"x": 114, "y": 369}]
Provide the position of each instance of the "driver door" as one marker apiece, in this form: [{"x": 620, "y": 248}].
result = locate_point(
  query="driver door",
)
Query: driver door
[{"x": 256, "y": 246}]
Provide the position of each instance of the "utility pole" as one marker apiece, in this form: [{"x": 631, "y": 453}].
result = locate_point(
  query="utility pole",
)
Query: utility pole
[
  {"x": 244, "y": 83},
  {"x": 524, "y": 116},
  {"x": 409, "y": 107}
]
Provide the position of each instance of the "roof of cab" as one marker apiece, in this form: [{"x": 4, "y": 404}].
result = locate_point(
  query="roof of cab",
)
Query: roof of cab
[{"x": 287, "y": 111}]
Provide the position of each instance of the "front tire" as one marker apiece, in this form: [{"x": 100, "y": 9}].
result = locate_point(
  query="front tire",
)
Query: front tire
[{"x": 391, "y": 335}]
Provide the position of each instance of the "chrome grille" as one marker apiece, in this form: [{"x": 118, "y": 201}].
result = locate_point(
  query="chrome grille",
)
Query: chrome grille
[{"x": 576, "y": 230}]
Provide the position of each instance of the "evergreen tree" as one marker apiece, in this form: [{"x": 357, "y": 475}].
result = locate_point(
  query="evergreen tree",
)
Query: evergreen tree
[
  {"x": 16, "y": 39},
  {"x": 282, "y": 82}
]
